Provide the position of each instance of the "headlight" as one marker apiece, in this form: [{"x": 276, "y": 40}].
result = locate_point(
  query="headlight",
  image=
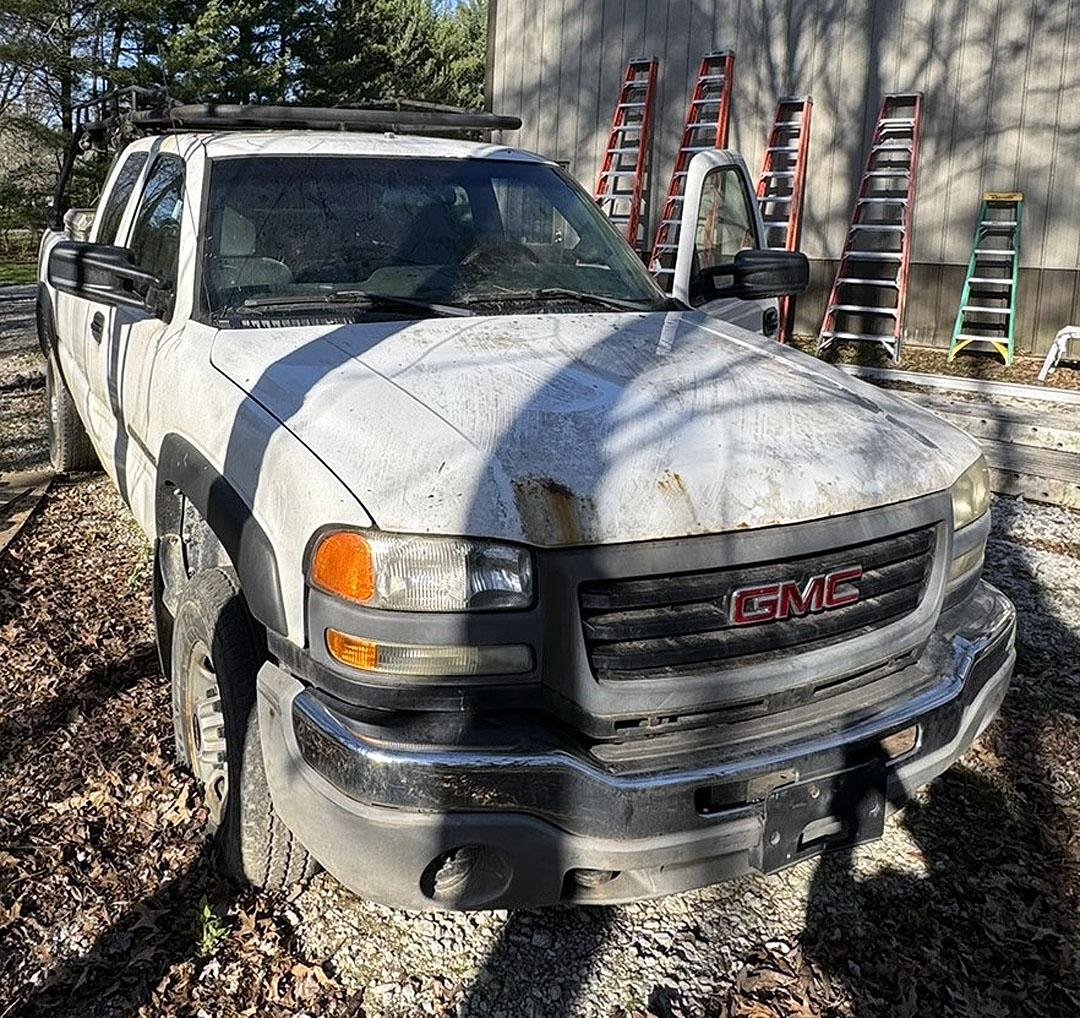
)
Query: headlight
[
  {"x": 405, "y": 572},
  {"x": 971, "y": 494}
]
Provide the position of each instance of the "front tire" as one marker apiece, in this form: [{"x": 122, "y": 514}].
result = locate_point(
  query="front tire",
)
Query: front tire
[
  {"x": 69, "y": 444},
  {"x": 217, "y": 649}
]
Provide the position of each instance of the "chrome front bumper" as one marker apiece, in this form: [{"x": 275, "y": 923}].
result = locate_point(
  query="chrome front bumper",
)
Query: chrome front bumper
[{"x": 385, "y": 817}]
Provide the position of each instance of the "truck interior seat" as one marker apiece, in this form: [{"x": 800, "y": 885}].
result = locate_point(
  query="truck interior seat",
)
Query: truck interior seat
[{"x": 237, "y": 265}]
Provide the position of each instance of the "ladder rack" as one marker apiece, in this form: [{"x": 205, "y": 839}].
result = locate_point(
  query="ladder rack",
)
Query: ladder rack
[
  {"x": 627, "y": 152},
  {"x": 706, "y": 127},
  {"x": 780, "y": 187},
  {"x": 869, "y": 292},
  {"x": 987, "y": 314}
]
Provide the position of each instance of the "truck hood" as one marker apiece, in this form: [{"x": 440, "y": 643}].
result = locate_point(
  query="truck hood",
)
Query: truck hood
[{"x": 580, "y": 429}]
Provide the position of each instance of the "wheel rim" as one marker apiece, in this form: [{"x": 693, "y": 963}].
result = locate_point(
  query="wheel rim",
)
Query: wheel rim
[{"x": 205, "y": 729}]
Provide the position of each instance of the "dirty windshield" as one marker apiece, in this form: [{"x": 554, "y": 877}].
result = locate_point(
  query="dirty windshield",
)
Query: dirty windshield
[{"x": 489, "y": 236}]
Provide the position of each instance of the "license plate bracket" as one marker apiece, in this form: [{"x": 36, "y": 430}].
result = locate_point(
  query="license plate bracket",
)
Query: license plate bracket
[{"x": 812, "y": 817}]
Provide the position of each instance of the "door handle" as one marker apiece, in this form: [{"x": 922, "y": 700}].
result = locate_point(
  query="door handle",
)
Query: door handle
[{"x": 97, "y": 326}]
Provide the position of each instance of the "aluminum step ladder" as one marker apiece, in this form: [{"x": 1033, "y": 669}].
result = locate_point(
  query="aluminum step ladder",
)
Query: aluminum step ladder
[
  {"x": 986, "y": 317},
  {"x": 620, "y": 187},
  {"x": 866, "y": 303},
  {"x": 780, "y": 187},
  {"x": 706, "y": 127}
]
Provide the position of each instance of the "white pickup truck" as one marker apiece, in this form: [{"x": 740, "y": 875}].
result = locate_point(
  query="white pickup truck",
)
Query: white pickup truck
[{"x": 486, "y": 575}]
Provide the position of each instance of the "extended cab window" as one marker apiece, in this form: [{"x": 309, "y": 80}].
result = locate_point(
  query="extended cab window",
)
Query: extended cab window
[
  {"x": 119, "y": 196},
  {"x": 155, "y": 237},
  {"x": 455, "y": 231}
]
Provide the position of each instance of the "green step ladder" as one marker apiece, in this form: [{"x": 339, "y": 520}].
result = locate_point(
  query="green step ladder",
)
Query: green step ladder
[{"x": 987, "y": 314}]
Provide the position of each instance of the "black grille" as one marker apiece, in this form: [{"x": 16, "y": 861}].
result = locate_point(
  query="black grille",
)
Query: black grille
[{"x": 654, "y": 626}]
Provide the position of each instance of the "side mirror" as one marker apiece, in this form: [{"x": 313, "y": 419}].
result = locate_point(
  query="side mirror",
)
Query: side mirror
[
  {"x": 755, "y": 274},
  {"x": 107, "y": 274}
]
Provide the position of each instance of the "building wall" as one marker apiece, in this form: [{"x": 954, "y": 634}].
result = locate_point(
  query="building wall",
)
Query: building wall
[{"x": 1001, "y": 81}]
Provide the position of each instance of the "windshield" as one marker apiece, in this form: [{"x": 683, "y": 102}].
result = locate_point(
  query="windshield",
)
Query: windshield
[{"x": 452, "y": 231}]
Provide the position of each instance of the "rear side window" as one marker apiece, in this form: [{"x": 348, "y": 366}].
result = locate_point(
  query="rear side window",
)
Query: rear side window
[
  {"x": 155, "y": 237},
  {"x": 118, "y": 197}
]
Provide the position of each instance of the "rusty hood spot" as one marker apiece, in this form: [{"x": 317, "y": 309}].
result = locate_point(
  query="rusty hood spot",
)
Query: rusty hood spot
[{"x": 552, "y": 514}]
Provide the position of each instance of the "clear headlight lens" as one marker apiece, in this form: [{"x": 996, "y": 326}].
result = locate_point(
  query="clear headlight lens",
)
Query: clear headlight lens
[
  {"x": 971, "y": 494},
  {"x": 406, "y": 572}
]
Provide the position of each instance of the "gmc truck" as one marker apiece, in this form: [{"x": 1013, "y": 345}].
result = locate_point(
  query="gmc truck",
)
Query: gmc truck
[{"x": 486, "y": 574}]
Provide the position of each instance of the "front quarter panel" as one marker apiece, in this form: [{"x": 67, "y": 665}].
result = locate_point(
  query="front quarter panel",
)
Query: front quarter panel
[{"x": 238, "y": 459}]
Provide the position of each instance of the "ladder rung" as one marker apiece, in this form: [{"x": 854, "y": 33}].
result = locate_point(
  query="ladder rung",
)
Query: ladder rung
[
  {"x": 714, "y": 101},
  {"x": 670, "y": 222},
  {"x": 987, "y": 280},
  {"x": 897, "y": 120},
  {"x": 900, "y": 171},
  {"x": 980, "y": 339},
  {"x": 624, "y": 151},
  {"x": 777, "y": 198},
  {"x": 888, "y": 338},
  {"x": 665, "y": 247},
  {"x": 877, "y": 227},
  {"x": 701, "y": 125},
  {"x": 864, "y": 309},
  {"x": 771, "y": 223},
  {"x": 882, "y": 201},
  {"x": 998, "y": 224},
  {"x": 697, "y": 148},
  {"x": 890, "y": 146},
  {"x": 630, "y": 106},
  {"x": 779, "y": 173},
  {"x": 864, "y": 281},
  {"x": 783, "y": 148},
  {"x": 711, "y": 77},
  {"x": 663, "y": 272},
  {"x": 874, "y": 256},
  {"x": 988, "y": 311},
  {"x": 989, "y": 252}
]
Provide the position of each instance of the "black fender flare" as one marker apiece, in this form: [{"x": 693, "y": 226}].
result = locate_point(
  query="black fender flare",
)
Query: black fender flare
[
  {"x": 182, "y": 467},
  {"x": 46, "y": 323}
]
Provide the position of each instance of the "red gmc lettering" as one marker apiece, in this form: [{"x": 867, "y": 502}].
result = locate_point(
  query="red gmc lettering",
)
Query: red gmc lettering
[
  {"x": 787, "y": 599},
  {"x": 833, "y": 598}
]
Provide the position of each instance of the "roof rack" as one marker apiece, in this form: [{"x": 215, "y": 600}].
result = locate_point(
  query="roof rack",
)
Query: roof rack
[{"x": 115, "y": 118}]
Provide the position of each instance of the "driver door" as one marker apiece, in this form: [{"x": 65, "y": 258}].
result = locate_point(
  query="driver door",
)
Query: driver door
[
  {"x": 119, "y": 381},
  {"x": 720, "y": 217}
]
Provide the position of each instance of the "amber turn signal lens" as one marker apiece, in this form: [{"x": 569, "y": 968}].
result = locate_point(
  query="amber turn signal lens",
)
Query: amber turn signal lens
[
  {"x": 342, "y": 565},
  {"x": 352, "y": 651}
]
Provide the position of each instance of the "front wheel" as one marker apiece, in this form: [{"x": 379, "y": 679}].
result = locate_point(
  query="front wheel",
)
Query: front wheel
[
  {"x": 217, "y": 649},
  {"x": 69, "y": 444}
]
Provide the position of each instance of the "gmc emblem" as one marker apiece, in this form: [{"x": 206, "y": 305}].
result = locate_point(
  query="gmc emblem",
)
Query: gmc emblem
[{"x": 772, "y": 602}]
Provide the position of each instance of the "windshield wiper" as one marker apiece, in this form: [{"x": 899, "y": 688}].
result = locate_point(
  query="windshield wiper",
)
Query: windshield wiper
[
  {"x": 352, "y": 298},
  {"x": 562, "y": 293}
]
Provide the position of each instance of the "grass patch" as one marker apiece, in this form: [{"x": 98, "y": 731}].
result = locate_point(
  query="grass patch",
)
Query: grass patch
[{"x": 17, "y": 272}]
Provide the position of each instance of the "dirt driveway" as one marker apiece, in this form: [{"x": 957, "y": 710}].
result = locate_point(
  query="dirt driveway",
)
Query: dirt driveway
[{"x": 110, "y": 906}]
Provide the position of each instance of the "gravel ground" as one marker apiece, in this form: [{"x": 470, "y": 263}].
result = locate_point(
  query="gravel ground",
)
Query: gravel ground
[{"x": 109, "y": 904}]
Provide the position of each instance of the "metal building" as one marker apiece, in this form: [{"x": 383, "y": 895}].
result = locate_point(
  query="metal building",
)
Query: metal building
[{"x": 1001, "y": 81}]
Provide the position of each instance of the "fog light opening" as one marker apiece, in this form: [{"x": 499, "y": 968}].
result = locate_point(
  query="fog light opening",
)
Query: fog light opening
[
  {"x": 469, "y": 876},
  {"x": 900, "y": 743},
  {"x": 591, "y": 879}
]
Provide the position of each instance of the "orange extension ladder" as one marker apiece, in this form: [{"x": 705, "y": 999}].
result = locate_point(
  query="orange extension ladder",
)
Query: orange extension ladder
[
  {"x": 780, "y": 186},
  {"x": 706, "y": 128},
  {"x": 627, "y": 153},
  {"x": 870, "y": 289}
]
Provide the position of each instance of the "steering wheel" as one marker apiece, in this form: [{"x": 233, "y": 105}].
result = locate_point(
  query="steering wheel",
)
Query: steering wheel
[{"x": 509, "y": 250}]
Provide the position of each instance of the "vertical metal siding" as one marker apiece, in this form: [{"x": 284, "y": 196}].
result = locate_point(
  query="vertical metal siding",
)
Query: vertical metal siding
[{"x": 1001, "y": 80}]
